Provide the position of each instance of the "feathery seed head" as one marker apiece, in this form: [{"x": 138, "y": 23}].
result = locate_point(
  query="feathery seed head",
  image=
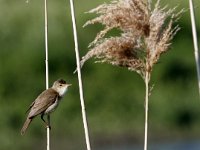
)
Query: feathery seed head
[{"x": 145, "y": 34}]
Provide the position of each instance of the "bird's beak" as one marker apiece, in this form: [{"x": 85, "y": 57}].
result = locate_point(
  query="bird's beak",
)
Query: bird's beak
[{"x": 69, "y": 84}]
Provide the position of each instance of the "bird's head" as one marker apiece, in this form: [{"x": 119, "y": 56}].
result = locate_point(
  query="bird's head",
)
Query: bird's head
[{"x": 60, "y": 86}]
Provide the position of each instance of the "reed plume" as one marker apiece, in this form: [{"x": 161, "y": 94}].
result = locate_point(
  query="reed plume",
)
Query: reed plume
[{"x": 145, "y": 35}]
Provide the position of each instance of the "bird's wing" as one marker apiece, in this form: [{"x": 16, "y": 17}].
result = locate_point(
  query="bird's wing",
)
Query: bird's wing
[
  {"x": 43, "y": 101},
  {"x": 30, "y": 106}
]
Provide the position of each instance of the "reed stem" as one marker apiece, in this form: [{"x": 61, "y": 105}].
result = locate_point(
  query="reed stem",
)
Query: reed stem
[
  {"x": 149, "y": 4},
  {"x": 85, "y": 124},
  {"x": 147, "y": 77},
  {"x": 195, "y": 41},
  {"x": 46, "y": 63}
]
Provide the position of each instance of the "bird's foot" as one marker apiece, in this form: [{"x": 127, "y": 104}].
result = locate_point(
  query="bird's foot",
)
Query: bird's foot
[{"x": 48, "y": 126}]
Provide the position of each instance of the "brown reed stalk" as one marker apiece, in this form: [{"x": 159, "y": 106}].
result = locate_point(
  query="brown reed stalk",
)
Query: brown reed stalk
[{"x": 146, "y": 33}]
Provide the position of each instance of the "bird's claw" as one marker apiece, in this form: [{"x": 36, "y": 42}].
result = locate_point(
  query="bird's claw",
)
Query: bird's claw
[{"x": 48, "y": 126}]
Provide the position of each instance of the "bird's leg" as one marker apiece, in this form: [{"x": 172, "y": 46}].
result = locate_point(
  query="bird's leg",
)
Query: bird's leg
[
  {"x": 46, "y": 123},
  {"x": 48, "y": 120}
]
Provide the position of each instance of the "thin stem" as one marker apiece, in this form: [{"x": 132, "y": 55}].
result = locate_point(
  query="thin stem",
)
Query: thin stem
[
  {"x": 46, "y": 63},
  {"x": 48, "y": 138},
  {"x": 79, "y": 77},
  {"x": 147, "y": 76},
  {"x": 195, "y": 41},
  {"x": 46, "y": 44},
  {"x": 149, "y": 4}
]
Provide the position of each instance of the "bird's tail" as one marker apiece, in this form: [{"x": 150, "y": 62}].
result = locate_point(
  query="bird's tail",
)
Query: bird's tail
[{"x": 25, "y": 126}]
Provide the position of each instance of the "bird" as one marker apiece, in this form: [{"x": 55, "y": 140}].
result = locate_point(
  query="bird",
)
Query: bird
[{"x": 46, "y": 103}]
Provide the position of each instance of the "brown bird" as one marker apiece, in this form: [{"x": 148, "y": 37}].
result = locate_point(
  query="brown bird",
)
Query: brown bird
[{"x": 46, "y": 103}]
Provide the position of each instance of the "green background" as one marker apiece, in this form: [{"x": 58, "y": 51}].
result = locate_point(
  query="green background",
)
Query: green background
[{"x": 114, "y": 97}]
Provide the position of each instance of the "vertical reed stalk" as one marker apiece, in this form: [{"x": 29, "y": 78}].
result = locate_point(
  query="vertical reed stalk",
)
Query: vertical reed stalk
[
  {"x": 46, "y": 45},
  {"x": 79, "y": 77},
  {"x": 46, "y": 63},
  {"x": 195, "y": 41},
  {"x": 149, "y": 4},
  {"x": 147, "y": 76}
]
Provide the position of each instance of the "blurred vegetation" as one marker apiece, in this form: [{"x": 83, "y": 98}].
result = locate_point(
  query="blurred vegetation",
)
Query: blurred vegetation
[{"x": 114, "y": 96}]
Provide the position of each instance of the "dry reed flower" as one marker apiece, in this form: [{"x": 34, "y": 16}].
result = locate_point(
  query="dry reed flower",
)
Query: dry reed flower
[
  {"x": 127, "y": 15},
  {"x": 121, "y": 51},
  {"x": 145, "y": 34}
]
